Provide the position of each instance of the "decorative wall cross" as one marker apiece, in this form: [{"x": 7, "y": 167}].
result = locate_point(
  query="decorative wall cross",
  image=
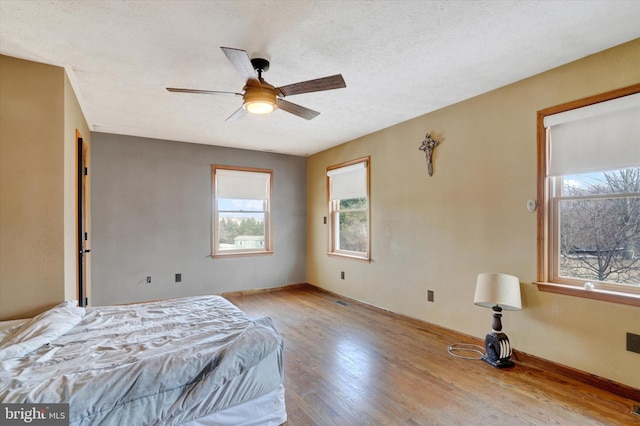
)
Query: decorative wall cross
[{"x": 427, "y": 146}]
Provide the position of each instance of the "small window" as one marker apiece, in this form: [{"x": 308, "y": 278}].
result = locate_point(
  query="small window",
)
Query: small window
[
  {"x": 589, "y": 178},
  {"x": 241, "y": 211},
  {"x": 348, "y": 185}
]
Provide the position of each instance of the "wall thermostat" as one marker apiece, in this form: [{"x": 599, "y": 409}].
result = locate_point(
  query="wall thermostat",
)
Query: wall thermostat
[{"x": 531, "y": 205}]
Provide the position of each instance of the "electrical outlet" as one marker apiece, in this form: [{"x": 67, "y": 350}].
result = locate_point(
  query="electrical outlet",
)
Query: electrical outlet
[
  {"x": 633, "y": 342},
  {"x": 149, "y": 279},
  {"x": 342, "y": 275},
  {"x": 430, "y": 296},
  {"x": 178, "y": 278}
]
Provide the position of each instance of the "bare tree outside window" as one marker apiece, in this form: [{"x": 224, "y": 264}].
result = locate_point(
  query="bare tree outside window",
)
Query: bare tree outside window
[{"x": 599, "y": 232}]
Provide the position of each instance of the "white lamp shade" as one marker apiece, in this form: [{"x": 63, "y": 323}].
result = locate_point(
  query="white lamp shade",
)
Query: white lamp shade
[{"x": 498, "y": 289}]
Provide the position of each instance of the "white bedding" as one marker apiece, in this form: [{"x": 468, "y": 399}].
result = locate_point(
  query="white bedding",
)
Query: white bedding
[
  {"x": 164, "y": 362},
  {"x": 31, "y": 334},
  {"x": 5, "y": 325}
]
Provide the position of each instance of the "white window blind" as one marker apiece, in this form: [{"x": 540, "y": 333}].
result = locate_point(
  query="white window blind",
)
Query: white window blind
[
  {"x": 244, "y": 185},
  {"x": 598, "y": 137},
  {"x": 348, "y": 182}
]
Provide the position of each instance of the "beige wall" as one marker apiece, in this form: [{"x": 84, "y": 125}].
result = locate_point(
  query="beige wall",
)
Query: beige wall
[
  {"x": 35, "y": 187},
  {"x": 437, "y": 233}
]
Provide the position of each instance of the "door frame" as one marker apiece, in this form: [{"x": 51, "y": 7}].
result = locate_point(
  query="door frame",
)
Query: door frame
[{"x": 82, "y": 211}]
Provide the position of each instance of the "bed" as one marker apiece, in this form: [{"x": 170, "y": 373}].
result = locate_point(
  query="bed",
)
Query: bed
[{"x": 188, "y": 361}]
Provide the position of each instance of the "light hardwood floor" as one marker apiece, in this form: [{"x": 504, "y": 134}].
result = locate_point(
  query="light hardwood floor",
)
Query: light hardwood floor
[{"x": 353, "y": 365}]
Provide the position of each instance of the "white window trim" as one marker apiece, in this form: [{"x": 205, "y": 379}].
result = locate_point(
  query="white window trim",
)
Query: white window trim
[{"x": 268, "y": 242}]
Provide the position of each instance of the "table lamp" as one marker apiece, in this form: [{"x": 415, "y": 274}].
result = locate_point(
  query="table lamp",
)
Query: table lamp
[{"x": 498, "y": 291}]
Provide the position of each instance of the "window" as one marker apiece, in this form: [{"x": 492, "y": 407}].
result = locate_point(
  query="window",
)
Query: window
[
  {"x": 241, "y": 211},
  {"x": 589, "y": 181},
  {"x": 348, "y": 185}
]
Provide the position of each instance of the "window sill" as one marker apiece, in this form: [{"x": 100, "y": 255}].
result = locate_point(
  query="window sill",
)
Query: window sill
[
  {"x": 596, "y": 294},
  {"x": 240, "y": 254},
  {"x": 348, "y": 256}
]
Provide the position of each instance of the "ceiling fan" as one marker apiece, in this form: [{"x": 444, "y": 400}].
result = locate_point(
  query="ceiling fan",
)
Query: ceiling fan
[{"x": 259, "y": 97}]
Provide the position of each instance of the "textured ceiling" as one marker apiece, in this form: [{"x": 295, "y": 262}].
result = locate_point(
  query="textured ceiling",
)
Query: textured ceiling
[{"x": 400, "y": 59}]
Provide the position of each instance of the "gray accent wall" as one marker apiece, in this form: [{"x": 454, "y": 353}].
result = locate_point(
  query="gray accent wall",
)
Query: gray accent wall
[{"x": 151, "y": 216}]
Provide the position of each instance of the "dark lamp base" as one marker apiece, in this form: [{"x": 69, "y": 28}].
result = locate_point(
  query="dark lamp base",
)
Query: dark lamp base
[
  {"x": 498, "y": 363},
  {"x": 498, "y": 350}
]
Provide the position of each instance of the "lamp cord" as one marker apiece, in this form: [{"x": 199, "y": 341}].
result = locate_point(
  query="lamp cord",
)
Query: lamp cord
[{"x": 466, "y": 347}]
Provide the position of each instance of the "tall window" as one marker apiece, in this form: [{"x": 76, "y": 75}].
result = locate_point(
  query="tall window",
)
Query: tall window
[
  {"x": 241, "y": 211},
  {"x": 348, "y": 185},
  {"x": 589, "y": 178}
]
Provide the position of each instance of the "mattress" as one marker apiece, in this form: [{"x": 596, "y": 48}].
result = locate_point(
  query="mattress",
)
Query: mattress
[{"x": 167, "y": 362}]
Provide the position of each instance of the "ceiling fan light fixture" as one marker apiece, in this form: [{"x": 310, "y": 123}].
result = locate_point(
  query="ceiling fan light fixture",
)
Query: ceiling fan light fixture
[
  {"x": 259, "y": 107},
  {"x": 260, "y": 97},
  {"x": 259, "y": 102}
]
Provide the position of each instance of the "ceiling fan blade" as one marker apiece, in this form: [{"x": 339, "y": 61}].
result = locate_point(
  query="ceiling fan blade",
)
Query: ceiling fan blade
[
  {"x": 241, "y": 62},
  {"x": 296, "y": 109},
  {"x": 201, "y": 92},
  {"x": 237, "y": 115},
  {"x": 317, "y": 85}
]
